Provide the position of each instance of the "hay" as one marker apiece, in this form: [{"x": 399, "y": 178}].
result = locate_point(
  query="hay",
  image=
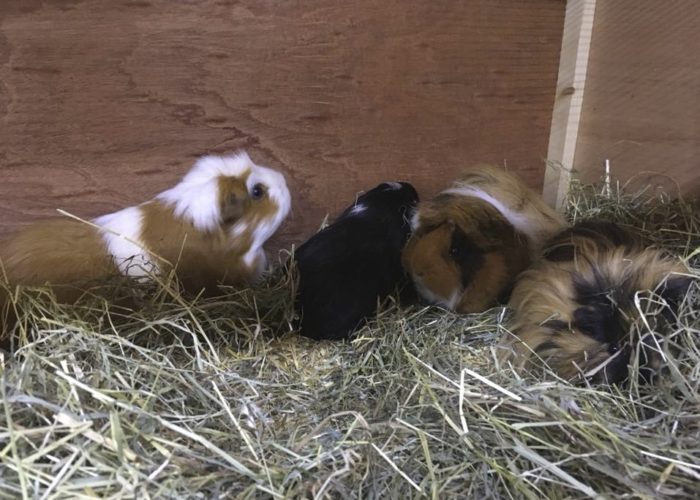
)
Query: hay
[{"x": 208, "y": 399}]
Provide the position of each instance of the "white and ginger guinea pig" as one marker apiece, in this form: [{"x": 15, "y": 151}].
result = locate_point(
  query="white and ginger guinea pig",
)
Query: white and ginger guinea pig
[
  {"x": 575, "y": 308},
  {"x": 209, "y": 228},
  {"x": 470, "y": 242},
  {"x": 349, "y": 267}
]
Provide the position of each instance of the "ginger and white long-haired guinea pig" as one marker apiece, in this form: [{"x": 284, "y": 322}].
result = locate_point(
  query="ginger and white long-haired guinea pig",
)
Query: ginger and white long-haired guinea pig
[
  {"x": 350, "y": 266},
  {"x": 470, "y": 242},
  {"x": 577, "y": 309},
  {"x": 210, "y": 228}
]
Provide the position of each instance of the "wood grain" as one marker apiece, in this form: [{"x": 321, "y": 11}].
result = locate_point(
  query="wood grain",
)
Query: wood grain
[
  {"x": 103, "y": 103},
  {"x": 566, "y": 117},
  {"x": 641, "y": 109}
]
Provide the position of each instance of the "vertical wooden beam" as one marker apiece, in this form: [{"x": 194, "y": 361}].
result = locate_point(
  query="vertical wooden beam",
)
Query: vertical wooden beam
[{"x": 573, "y": 63}]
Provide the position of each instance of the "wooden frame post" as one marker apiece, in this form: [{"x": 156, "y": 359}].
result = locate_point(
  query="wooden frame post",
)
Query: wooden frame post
[{"x": 573, "y": 63}]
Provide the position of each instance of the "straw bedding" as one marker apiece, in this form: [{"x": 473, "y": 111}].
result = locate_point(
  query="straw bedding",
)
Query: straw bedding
[{"x": 221, "y": 399}]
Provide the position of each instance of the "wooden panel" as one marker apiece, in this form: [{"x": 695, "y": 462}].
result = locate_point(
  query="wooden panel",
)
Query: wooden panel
[
  {"x": 103, "y": 103},
  {"x": 566, "y": 117},
  {"x": 642, "y": 104}
]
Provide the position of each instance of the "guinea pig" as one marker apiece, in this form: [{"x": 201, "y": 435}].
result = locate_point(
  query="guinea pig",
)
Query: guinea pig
[
  {"x": 471, "y": 240},
  {"x": 209, "y": 229},
  {"x": 350, "y": 266},
  {"x": 575, "y": 308}
]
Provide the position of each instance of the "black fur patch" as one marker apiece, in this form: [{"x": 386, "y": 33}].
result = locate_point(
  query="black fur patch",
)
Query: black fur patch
[
  {"x": 599, "y": 322},
  {"x": 612, "y": 234},
  {"x": 601, "y": 301},
  {"x": 504, "y": 296},
  {"x": 546, "y": 346},
  {"x": 348, "y": 267},
  {"x": 617, "y": 369},
  {"x": 598, "y": 316},
  {"x": 561, "y": 247},
  {"x": 673, "y": 291},
  {"x": 560, "y": 253},
  {"x": 467, "y": 255}
]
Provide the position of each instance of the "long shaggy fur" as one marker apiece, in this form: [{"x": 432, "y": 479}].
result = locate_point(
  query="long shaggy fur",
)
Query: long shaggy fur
[
  {"x": 575, "y": 308},
  {"x": 472, "y": 240},
  {"x": 209, "y": 229}
]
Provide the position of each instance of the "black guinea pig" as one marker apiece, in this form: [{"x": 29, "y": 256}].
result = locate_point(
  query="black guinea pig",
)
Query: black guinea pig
[{"x": 350, "y": 266}]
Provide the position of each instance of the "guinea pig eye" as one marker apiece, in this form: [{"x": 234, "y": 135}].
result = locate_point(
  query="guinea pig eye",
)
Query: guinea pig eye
[{"x": 257, "y": 192}]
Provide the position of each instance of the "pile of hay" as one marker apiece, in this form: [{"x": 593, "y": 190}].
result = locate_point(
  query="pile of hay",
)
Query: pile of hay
[{"x": 210, "y": 399}]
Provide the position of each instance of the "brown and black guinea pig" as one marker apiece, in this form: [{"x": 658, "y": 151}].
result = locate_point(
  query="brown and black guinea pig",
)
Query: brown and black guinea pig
[
  {"x": 471, "y": 241},
  {"x": 209, "y": 229},
  {"x": 575, "y": 308}
]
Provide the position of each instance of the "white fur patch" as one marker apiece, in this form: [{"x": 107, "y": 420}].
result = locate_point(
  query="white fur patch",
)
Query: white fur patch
[
  {"x": 415, "y": 219},
  {"x": 394, "y": 185},
  {"x": 196, "y": 197},
  {"x": 278, "y": 192},
  {"x": 121, "y": 232},
  {"x": 454, "y": 300},
  {"x": 238, "y": 229},
  {"x": 519, "y": 220},
  {"x": 358, "y": 209},
  {"x": 259, "y": 262}
]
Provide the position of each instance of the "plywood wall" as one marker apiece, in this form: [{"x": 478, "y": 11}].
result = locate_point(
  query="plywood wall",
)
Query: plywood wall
[
  {"x": 641, "y": 106},
  {"x": 103, "y": 103}
]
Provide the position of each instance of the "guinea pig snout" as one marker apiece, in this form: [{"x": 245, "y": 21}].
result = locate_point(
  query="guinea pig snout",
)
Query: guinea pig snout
[
  {"x": 435, "y": 275},
  {"x": 438, "y": 292}
]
